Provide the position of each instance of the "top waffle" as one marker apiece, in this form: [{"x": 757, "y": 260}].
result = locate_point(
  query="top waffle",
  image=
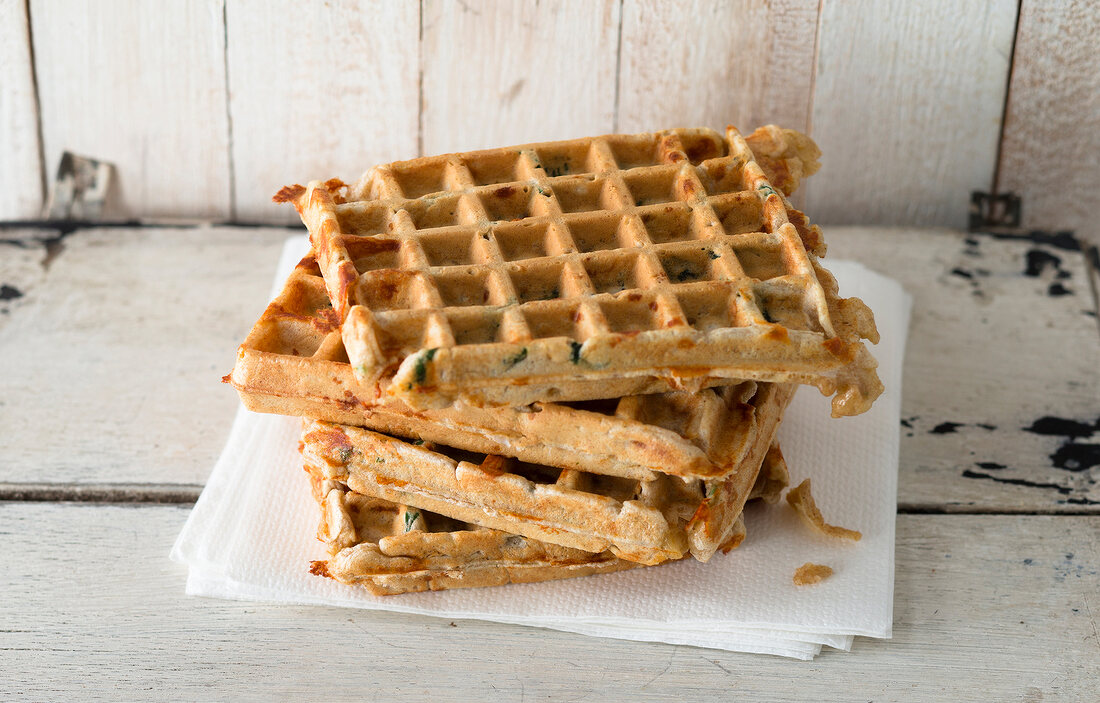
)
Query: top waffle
[{"x": 558, "y": 271}]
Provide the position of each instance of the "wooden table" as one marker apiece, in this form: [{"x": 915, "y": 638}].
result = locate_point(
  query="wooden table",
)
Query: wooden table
[{"x": 112, "y": 341}]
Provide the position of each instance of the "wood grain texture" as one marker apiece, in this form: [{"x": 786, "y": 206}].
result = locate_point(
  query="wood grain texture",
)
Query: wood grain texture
[
  {"x": 20, "y": 163},
  {"x": 702, "y": 63},
  {"x": 112, "y": 348},
  {"x": 499, "y": 72},
  {"x": 987, "y": 608},
  {"x": 1052, "y": 123},
  {"x": 316, "y": 93},
  {"x": 907, "y": 109},
  {"x": 141, "y": 85},
  {"x": 1001, "y": 398}
]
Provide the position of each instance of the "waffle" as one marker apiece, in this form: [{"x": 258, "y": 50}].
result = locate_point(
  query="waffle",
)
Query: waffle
[
  {"x": 392, "y": 548},
  {"x": 599, "y": 267},
  {"x": 647, "y": 521},
  {"x": 293, "y": 363}
]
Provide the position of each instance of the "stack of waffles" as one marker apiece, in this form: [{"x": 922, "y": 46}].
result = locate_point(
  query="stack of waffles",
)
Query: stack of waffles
[{"x": 552, "y": 360}]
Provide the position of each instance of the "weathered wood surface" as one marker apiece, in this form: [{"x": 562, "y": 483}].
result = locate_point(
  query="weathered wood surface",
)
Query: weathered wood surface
[
  {"x": 986, "y": 608},
  {"x": 997, "y": 405},
  {"x": 1052, "y": 121},
  {"x": 316, "y": 93},
  {"x": 112, "y": 344},
  {"x": 498, "y": 73},
  {"x": 983, "y": 445},
  {"x": 907, "y": 108},
  {"x": 1001, "y": 397},
  {"x": 20, "y": 160},
  {"x": 141, "y": 85},
  {"x": 716, "y": 63}
]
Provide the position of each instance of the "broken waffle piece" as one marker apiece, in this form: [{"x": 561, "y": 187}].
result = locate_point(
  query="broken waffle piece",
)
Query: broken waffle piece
[
  {"x": 803, "y": 503},
  {"x": 809, "y": 574},
  {"x": 575, "y": 270}
]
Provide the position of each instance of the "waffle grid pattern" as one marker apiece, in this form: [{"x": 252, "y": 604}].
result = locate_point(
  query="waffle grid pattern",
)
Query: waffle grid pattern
[
  {"x": 493, "y": 256},
  {"x": 294, "y": 353}
]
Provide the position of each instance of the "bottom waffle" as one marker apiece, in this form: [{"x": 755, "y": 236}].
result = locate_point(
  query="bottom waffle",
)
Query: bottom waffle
[
  {"x": 390, "y": 548},
  {"x": 647, "y": 521}
]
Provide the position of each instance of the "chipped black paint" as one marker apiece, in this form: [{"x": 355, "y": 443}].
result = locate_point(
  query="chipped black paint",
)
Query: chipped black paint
[
  {"x": 1048, "y": 425},
  {"x": 1059, "y": 240},
  {"x": 1073, "y": 455},
  {"x": 10, "y": 292},
  {"x": 990, "y": 465},
  {"x": 962, "y": 273},
  {"x": 946, "y": 428},
  {"x": 1076, "y": 456},
  {"x": 907, "y": 422},
  {"x": 1057, "y": 290},
  {"x": 1037, "y": 260},
  {"x": 1064, "y": 490}
]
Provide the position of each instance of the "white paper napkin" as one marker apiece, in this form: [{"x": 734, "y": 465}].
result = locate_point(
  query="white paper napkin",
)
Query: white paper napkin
[{"x": 251, "y": 534}]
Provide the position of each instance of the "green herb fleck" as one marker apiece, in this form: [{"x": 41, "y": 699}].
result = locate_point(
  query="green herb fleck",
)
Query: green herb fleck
[
  {"x": 511, "y": 361},
  {"x": 345, "y": 454},
  {"x": 411, "y": 516},
  {"x": 575, "y": 356},
  {"x": 713, "y": 254},
  {"x": 418, "y": 442},
  {"x": 380, "y": 460},
  {"x": 420, "y": 371},
  {"x": 361, "y": 369},
  {"x": 712, "y": 490},
  {"x": 768, "y": 190}
]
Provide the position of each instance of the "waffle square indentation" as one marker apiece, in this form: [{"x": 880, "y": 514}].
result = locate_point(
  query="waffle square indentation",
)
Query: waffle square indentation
[
  {"x": 363, "y": 218},
  {"x": 533, "y": 282},
  {"x": 739, "y": 213},
  {"x": 492, "y": 168},
  {"x": 506, "y": 203}
]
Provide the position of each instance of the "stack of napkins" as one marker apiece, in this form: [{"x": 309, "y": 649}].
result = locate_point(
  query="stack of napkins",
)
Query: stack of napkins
[{"x": 251, "y": 534}]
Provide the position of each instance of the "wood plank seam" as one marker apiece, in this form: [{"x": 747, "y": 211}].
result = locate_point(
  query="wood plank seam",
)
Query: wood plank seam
[
  {"x": 1008, "y": 96},
  {"x": 232, "y": 162},
  {"x": 43, "y": 169}
]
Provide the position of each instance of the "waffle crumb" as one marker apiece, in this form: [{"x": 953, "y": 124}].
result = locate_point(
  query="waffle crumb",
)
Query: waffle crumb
[
  {"x": 808, "y": 574},
  {"x": 803, "y": 503}
]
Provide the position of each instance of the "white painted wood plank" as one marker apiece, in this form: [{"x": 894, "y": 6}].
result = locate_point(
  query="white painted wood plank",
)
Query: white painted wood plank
[
  {"x": 907, "y": 109},
  {"x": 316, "y": 92},
  {"x": 499, "y": 72},
  {"x": 112, "y": 347},
  {"x": 986, "y": 608},
  {"x": 702, "y": 63},
  {"x": 141, "y": 85},
  {"x": 20, "y": 164},
  {"x": 1001, "y": 398},
  {"x": 1052, "y": 123}
]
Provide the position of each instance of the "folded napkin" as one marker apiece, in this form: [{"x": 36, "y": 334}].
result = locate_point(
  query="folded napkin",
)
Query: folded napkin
[{"x": 251, "y": 535}]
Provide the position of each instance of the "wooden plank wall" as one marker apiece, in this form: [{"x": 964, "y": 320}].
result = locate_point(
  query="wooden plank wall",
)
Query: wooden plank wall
[{"x": 207, "y": 106}]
